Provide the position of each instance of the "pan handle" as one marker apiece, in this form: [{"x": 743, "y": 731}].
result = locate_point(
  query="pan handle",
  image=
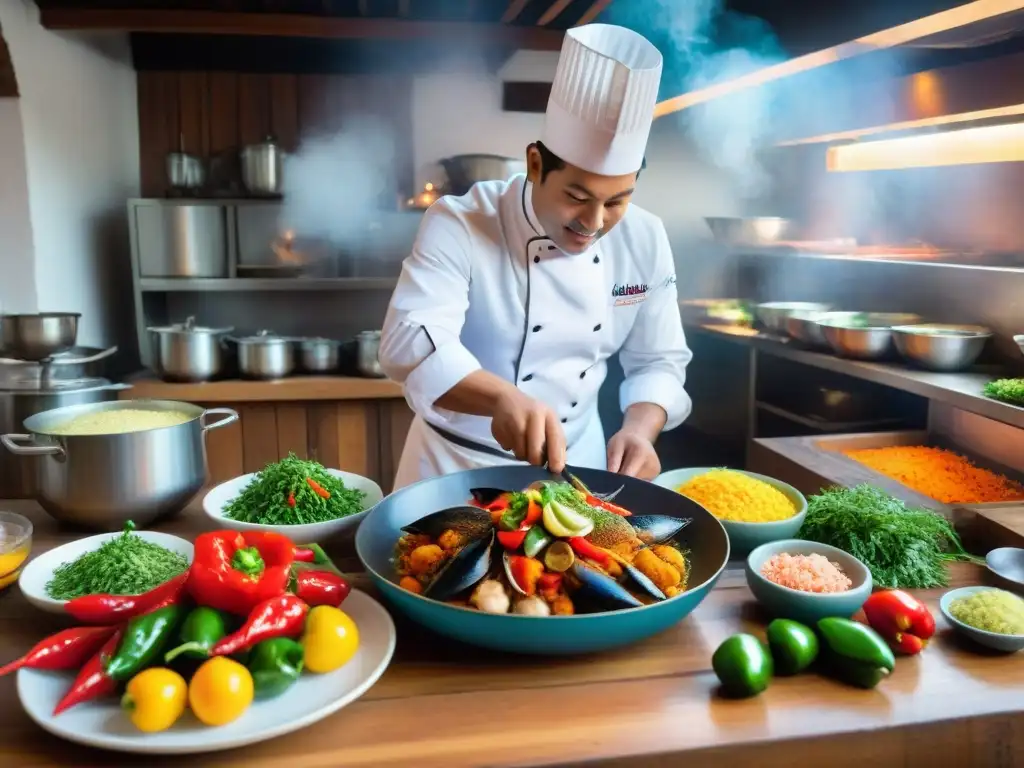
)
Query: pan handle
[{"x": 12, "y": 444}]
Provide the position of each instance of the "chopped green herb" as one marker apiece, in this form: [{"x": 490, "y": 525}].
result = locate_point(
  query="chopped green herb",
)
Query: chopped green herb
[
  {"x": 903, "y": 547},
  {"x": 1008, "y": 390},
  {"x": 294, "y": 491},
  {"x": 124, "y": 565}
]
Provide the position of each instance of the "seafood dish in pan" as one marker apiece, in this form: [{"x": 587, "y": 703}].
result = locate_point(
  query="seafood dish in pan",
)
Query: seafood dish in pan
[{"x": 551, "y": 549}]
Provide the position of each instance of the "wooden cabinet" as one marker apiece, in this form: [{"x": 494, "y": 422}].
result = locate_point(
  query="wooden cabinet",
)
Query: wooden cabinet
[{"x": 361, "y": 436}]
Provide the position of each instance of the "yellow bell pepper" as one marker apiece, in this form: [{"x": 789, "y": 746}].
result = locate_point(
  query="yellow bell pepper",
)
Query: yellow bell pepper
[
  {"x": 220, "y": 691},
  {"x": 155, "y": 699},
  {"x": 330, "y": 639}
]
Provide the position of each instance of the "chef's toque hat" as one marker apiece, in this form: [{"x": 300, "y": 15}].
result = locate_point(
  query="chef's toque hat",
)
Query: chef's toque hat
[{"x": 602, "y": 100}]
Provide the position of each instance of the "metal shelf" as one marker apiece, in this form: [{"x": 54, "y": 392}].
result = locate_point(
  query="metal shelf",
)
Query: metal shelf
[{"x": 187, "y": 284}]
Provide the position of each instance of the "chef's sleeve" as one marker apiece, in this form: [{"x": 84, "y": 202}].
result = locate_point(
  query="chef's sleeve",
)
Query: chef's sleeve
[
  {"x": 655, "y": 355},
  {"x": 420, "y": 346}
]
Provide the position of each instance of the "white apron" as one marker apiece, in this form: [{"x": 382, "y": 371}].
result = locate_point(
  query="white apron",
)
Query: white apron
[{"x": 533, "y": 315}]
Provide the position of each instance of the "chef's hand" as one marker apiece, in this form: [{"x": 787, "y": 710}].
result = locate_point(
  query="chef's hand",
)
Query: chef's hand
[
  {"x": 529, "y": 429},
  {"x": 631, "y": 453}
]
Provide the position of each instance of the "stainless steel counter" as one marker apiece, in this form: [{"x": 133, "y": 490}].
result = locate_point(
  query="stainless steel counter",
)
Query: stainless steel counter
[{"x": 960, "y": 390}]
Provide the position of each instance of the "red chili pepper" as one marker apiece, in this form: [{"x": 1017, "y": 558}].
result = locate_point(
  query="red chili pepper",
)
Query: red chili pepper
[
  {"x": 607, "y": 506},
  {"x": 291, "y": 498},
  {"x": 549, "y": 582},
  {"x": 67, "y": 649},
  {"x": 234, "y": 571},
  {"x": 585, "y": 549},
  {"x": 281, "y": 616},
  {"x": 319, "y": 489},
  {"x": 512, "y": 540},
  {"x": 903, "y": 620},
  {"x": 315, "y": 587},
  {"x": 112, "y": 609},
  {"x": 312, "y": 553},
  {"x": 92, "y": 681}
]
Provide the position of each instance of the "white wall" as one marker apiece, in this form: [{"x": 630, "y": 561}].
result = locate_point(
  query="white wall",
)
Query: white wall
[
  {"x": 457, "y": 110},
  {"x": 17, "y": 260},
  {"x": 80, "y": 119}
]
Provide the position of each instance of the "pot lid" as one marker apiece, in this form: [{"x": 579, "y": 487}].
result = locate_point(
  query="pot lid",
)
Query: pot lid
[
  {"x": 263, "y": 337},
  {"x": 36, "y": 386},
  {"x": 189, "y": 326}
]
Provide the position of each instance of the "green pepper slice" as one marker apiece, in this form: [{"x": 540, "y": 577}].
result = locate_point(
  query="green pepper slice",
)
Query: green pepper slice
[
  {"x": 536, "y": 540},
  {"x": 202, "y": 628},
  {"x": 144, "y": 638},
  {"x": 275, "y": 665}
]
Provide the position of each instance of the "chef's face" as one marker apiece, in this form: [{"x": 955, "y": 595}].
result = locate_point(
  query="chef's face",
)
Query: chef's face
[{"x": 576, "y": 207}]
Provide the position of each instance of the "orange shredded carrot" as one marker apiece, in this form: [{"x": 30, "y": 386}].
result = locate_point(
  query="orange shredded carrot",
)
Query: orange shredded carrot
[{"x": 939, "y": 474}]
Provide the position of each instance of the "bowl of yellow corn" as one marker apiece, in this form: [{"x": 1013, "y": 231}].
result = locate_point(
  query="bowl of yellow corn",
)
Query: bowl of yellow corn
[{"x": 754, "y": 509}]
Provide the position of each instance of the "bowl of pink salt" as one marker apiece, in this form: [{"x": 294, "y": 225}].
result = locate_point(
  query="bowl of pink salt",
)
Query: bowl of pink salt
[{"x": 806, "y": 581}]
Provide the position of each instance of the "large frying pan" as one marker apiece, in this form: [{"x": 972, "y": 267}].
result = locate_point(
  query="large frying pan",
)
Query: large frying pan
[{"x": 705, "y": 538}]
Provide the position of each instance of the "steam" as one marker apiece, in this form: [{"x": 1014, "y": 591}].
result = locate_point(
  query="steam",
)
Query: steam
[
  {"x": 703, "y": 44},
  {"x": 334, "y": 182}
]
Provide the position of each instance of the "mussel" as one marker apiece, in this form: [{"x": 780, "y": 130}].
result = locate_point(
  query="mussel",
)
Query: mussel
[
  {"x": 601, "y": 590},
  {"x": 469, "y": 522},
  {"x": 486, "y": 496},
  {"x": 579, "y": 485},
  {"x": 467, "y": 567},
  {"x": 638, "y": 579},
  {"x": 656, "y": 529}
]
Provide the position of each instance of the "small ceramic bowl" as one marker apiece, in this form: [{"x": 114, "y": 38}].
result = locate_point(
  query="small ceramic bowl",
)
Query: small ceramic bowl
[
  {"x": 15, "y": 546},
  {"x": 1008, "y": 564},
  {"x": 808, "y": 607},
  {"x": 37, "y": 574},
  {"x": 994, "y": 640},
  {"x": 745, "y": 537},
  {"x": 217, "y": 500}
]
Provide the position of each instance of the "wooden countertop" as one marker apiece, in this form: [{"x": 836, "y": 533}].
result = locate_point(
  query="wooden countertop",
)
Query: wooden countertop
[
  {"x": 651, "y": 705},
  {"x": 291, "y": 389}
]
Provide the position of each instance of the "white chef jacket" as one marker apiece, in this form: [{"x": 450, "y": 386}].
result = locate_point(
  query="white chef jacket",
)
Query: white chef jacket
[{"x": 485, "y": 288}]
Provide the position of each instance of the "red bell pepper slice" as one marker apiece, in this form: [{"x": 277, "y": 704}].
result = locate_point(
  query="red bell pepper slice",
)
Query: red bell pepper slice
[
  {"x": 534, "y": 511},
  {"x": 607, "y": 506},
  {"x": 234, "y": 571},
  {"x": 585, "y": 549},
  {"x": 550, "y": 582},
  {"x": 903, "y": 620},
  {"x": 512, "y": 540},
  {"x": 527, "y": 572}
]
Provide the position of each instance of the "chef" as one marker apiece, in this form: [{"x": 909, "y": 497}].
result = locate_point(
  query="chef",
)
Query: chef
[{"x": 516, "y": 294}]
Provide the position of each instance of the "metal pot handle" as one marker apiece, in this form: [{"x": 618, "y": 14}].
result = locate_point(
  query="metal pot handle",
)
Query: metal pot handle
[
  {"x": 10, "y": 442},
  {"x": 229, "y": 416},
  {"x": 83, "y": 360}
]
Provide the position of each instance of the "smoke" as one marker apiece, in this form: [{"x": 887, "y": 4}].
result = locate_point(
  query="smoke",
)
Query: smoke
[
  {"x": 336, "y": 181},
  {"x": 704, "y": 44}
]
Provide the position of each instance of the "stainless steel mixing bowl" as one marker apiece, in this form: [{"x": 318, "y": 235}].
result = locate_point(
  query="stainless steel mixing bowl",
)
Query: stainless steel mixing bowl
[
  {"x": 774, "y": 314},
  {"x": 863, "y": 335},
  {"x": 941, "y": 347}
]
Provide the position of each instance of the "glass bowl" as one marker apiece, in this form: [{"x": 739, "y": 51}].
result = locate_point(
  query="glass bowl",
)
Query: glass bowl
[{"x": 15, "y": 546}]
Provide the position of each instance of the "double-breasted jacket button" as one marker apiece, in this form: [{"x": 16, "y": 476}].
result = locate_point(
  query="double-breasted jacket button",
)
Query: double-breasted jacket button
[
  {"x": 597, "y": 328},
  {"x": 528, "y": 377},
  {"x": 597, "y": 259},
  {"x": 536, "y": 259},
  {"x": 564, "y": 420},
  {"x": 536, "y": 328}
]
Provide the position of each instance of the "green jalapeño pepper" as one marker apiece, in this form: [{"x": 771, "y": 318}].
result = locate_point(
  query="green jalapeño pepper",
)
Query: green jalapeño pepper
[
  {"x": 144, "y": 638},
  {"x": 854, "y": 652},
  {"x": 202, "y": 629},
  {"x": 275, "y": 665},
  {"x": 794, "y": 646},
  {"x": 743, "y": 665}
]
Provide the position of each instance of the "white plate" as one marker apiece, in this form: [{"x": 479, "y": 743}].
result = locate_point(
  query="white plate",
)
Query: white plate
[
  {"x": 218, "y": 498},
  {"x": 312, "y": 698},
  {"x": 39, "y": 571}
]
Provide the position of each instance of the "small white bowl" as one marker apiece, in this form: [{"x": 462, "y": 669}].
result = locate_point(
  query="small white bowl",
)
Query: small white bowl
[
  {"x": 217, "y": 500},
  {"x": 994, "y": 640},
  {"x": 39, "y": 571}
]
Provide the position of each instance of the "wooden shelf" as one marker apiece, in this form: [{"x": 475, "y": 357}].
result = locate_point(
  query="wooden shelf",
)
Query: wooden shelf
[
  {"x": 295, "y": 388},
  {"x": 190, "y": 284}
]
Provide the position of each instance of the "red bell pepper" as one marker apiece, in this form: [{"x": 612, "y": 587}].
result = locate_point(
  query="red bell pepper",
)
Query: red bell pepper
[
  {"x": 533, "y": 514},
  {"x": 512, "y": 540},
  {"x": 113, "y": 609},
  {"x": 281, "y": 616},
  {"x": 92, "y": 681},
  {"x": 549, "y": 582},
  {"x": 235, "y": 572},
  {"x": 526, "y": 571},
  {"x": 607, "y": 506},
  {"x": 585, "y": 549},
  {"x": 316, "y": 587},
  {"x": 67, "y": 649},
  {"x": 903, "y": 620}
]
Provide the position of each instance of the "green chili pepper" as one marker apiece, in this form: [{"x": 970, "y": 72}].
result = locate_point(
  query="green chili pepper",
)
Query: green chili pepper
[
  {"x": 794, "y": 646},
  {"x": 743, "y": 665},
  {"x": 854, "y": 653},
  {"x": 536, "y": 539},
  {"x": 275, "y": 665},
  {"x": 144, "y": 638},
  {"x": 202, "y": 629}
]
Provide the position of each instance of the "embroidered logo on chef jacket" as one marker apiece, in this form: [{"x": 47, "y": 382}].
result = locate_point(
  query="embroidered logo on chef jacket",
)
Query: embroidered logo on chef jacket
[{"x": 628, "y": 294}]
